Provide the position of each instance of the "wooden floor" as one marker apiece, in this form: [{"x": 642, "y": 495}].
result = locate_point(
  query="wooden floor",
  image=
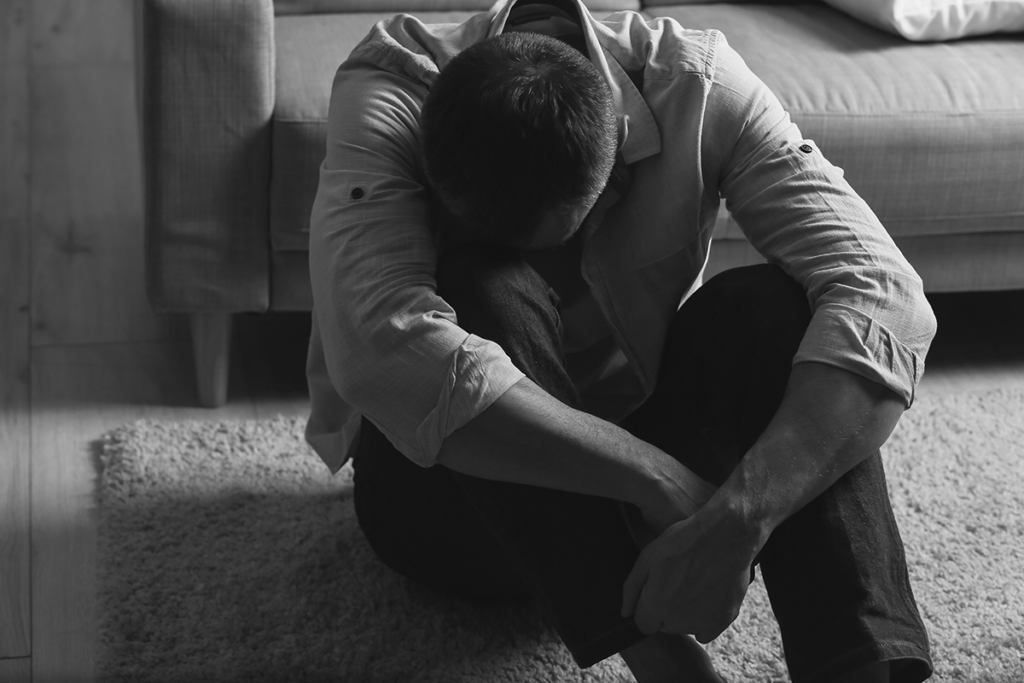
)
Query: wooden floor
[{"x": 79, "y": 392}]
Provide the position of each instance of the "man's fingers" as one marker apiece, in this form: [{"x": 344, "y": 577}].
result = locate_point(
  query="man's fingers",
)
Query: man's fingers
[
  {"x": 708, "y": 635},
  {"x": 717, "y": 626},
  {"x": 634, "y": 585},
  {"x": 648, "y": 616},
  {"x": 705, "y": 633}
]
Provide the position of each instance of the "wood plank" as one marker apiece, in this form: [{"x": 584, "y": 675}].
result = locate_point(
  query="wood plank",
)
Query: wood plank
[
  {"x": 76, "y": 32},
  {"x": 79, "y": 394},
  {"x": 15, "y": 451},
  {"x": 87, "y": 209},
  {"x": 14, "y": 84},
  {"x": 16, "y": 670},
  {"x": 14, "y": 32},
  {"x": 15, "y": 445}
]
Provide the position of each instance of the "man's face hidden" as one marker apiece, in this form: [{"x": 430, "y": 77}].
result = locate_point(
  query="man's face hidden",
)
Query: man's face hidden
[{"x": 556, "y": 228}]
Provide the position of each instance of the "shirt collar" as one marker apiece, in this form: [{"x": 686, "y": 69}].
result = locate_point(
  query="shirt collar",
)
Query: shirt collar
[{"x": 639, "y": 137}]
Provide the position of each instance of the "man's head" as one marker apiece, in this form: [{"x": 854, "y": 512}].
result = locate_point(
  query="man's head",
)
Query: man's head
[{"x": 519, "y": 136}]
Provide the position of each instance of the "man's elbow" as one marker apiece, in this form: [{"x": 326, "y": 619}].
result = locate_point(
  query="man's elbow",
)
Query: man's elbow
[
  {"x": 924, "y": 324},
  {"x": 917, "y": 329}
]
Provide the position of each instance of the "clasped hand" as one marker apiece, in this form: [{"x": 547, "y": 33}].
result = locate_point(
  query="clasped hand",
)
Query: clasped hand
[{"x": 693, "y": 577}]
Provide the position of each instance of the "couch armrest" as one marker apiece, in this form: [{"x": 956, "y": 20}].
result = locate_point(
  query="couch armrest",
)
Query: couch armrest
[{"x": 207, "y": 79}]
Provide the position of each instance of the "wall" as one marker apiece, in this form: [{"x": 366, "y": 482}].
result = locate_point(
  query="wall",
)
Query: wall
[
  {"x": 14, "y": 328},
  {"x": 71, "y": 270},
  {"x": 85, "y": 180}
]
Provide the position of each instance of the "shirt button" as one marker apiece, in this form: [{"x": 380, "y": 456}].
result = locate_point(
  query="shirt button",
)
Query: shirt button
[
  {"x": 806, "y": 149},
  {"x": 357, "y": 193}
]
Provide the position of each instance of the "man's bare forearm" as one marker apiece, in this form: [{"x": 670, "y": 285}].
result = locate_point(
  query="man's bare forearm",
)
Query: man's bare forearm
[
  {"x": 529, "y": 437},
  {"x": 829, "y": 421}
]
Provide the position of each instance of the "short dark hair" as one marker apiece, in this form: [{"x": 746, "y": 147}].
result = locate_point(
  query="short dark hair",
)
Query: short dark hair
[{"x": 514, "y": 126}]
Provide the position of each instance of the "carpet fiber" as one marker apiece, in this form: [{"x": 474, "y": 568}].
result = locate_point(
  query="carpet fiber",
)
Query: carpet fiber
[{"x": 228, "y": 553}]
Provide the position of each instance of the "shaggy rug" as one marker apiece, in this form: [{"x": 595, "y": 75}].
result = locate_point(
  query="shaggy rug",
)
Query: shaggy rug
[{"x": 228, "y": 553}]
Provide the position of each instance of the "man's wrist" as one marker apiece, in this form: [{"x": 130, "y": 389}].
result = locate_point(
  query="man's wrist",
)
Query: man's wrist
[
  {"x": 752, "y": 514},
  {"x": 829, "y": 420},
  {"x": 670, "y": 492}
]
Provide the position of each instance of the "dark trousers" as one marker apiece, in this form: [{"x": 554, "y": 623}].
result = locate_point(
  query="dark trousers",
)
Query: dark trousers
[{"x": 835, "y": 571}]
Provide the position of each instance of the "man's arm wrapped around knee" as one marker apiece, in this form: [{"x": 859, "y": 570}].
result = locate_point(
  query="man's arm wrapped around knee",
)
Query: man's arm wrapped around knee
[
  {"x": 529, "y": 437},
  {"x": 870, "y": 315},
  {"x": 392, "y": 346},
  {"x": 853, "y": 376},
  {"x": 693, "y": 578}
]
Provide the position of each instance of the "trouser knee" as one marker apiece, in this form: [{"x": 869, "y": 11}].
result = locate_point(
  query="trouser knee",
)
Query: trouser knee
[
  {"x": 768, "y": 305},
  {"x": 494, "y": 292},
  {"x": 727, "y": 362},
  {"x": 499, "y": 297},
  {"x": 758, "y": 312}
]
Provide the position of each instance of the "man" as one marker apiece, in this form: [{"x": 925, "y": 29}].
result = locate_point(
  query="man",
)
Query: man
[{"x": 511, "y": 338}]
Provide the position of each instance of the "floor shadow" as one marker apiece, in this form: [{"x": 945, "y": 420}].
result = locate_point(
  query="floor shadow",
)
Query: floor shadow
[{"x": 275, "y": 587}]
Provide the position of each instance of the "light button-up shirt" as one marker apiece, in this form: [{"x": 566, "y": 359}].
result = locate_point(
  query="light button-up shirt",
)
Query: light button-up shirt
[{"x": 704, "y": 127}]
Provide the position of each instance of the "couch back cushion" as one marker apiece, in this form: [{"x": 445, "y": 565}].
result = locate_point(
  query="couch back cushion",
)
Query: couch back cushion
[
  {"x": 929, "y": 134},
  {"x": 283, "y": 7}
]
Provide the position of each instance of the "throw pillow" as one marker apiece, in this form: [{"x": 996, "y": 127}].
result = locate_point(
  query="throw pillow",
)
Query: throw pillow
[{"x": 923, "y": 20}]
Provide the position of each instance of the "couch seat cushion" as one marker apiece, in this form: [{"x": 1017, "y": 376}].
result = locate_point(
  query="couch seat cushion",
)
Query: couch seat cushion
[{"x": 932, "y": 136}]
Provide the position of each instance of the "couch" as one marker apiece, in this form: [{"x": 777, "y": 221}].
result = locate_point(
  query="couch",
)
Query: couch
[{"x": 234, "y": 97}]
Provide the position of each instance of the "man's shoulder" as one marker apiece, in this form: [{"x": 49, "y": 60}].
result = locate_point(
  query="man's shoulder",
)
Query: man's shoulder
[
  {"x": 391, "y": 46},
  {"x": 661, "y": 47},
  {"x": 404, "y": 44}
]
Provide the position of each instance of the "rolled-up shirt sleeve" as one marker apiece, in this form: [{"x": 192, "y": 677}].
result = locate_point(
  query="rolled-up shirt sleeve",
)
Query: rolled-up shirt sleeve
[
  {"x": 870, "y": 315},
  {"x": 393, "y": 348}
]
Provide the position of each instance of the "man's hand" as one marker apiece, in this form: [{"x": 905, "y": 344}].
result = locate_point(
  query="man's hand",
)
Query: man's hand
[
  {"x": 678, "y": 498},
  {"x": 693, "y": 577}
]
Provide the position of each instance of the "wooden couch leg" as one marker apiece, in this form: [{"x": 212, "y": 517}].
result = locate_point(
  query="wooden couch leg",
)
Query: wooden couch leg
[{"x": 211, "y": 344}]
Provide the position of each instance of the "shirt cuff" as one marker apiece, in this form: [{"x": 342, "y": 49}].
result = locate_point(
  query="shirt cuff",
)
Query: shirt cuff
[
  {"x": 849, "y": 339},
  {"x": 480, "y": 372}
]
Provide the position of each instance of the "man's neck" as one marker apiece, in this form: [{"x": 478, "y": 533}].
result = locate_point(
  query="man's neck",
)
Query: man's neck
[
  {"x": 556, "y": 18},
  {"x": 567, "y": 6}
]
